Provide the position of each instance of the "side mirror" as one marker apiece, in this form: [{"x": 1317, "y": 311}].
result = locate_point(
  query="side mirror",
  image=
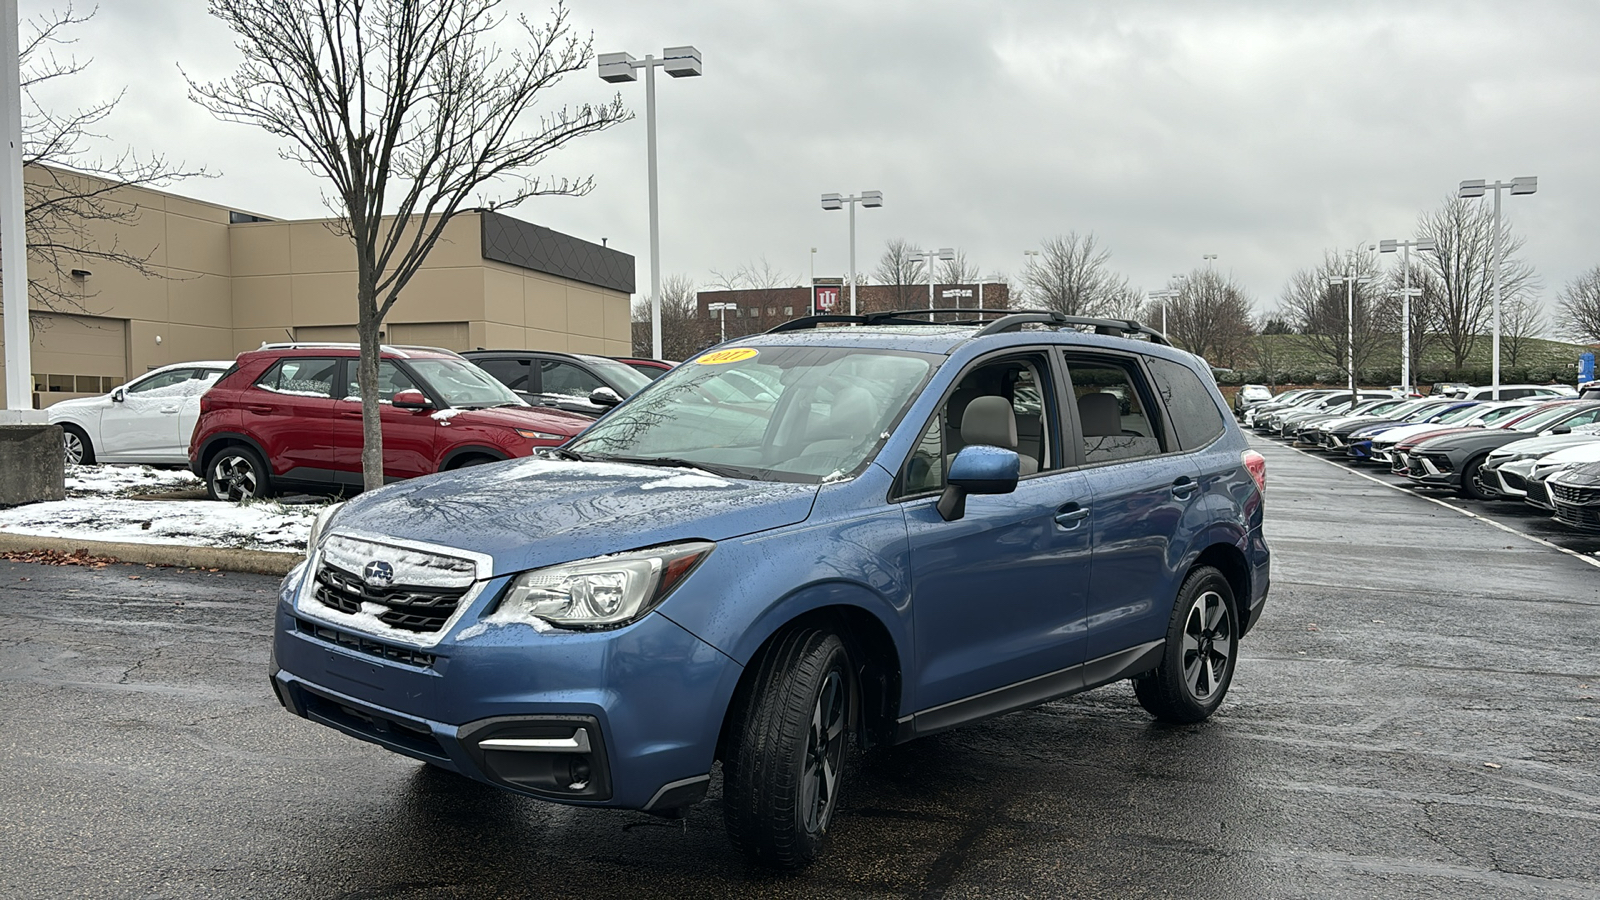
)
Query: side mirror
[
  {"x": 604, "y": 396},
  {"x": 412, "y": 399},
  {"x": 978, "y": 469},
  {"x": 118, "y": 395},
  {"x": 1561, "y": 429}
]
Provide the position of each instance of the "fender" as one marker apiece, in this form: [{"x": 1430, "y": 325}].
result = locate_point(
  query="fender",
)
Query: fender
[
  {"x": 471, "y": 450},
  {"x": 197, "y": 461}
]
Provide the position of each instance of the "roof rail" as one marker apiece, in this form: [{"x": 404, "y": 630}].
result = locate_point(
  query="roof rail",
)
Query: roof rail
[
  {"x": 1004, "y": 320},
  {"x": 349, "y": 345}
]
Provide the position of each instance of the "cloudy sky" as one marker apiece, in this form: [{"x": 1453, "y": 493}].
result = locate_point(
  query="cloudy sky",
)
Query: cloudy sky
[{"x": 1264, "y": 132}]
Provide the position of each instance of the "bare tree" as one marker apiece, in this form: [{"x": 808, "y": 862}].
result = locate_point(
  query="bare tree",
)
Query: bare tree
[
  {"x": 1580, "y": 306},
  {"x": 1266, "y": 349},
  {"x": 757, "y": 275},
  {"x": 411, "y": 113},
  {"x": 72, "y": 192},
  {"x": 1426, "y": 306},
  {"x": 1522, "y": 324},
  {"x": 1210, "y": 317},
  {"x": 1320, "y": 311},
  {"x": 1071, "y": 275},
  {"x": 684, "y": 331},
  {"x": 1464, "y": 264},
  {"x": 899, "y": 270}
]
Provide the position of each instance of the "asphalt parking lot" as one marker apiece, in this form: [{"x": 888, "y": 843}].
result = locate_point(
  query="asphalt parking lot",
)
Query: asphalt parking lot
[{"x": 1416, "y": 716}]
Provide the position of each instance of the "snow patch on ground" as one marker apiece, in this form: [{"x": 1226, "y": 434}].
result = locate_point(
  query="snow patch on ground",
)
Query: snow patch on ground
[{"x": 97, "y": 509}]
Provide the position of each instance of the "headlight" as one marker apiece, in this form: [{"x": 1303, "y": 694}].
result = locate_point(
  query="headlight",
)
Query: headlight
[
  {"x": 607, "y": 592},
  {"x": 320, "y": 524}
]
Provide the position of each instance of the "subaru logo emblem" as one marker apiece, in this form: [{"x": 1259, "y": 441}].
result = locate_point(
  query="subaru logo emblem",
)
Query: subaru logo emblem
[{"x": 378, "y": 573}]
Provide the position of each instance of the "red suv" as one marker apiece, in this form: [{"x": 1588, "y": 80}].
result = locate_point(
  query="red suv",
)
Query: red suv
[{"x": 289, "y": 416}]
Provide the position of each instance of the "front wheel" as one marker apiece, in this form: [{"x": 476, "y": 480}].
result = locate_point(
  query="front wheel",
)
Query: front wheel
[
  {"x": 237, "y": 474},
  {"x": 1202, "y": 646},
  {"x": 1470, "y": 486},
  {"x": 785, "y": 766},
  {"x": 76, "y": 447}
]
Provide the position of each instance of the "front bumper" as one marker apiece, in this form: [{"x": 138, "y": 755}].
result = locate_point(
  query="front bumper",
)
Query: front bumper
[
  {"x": 1577, "y": 507},
  {"x": 1431, "y": 470},
  {"x": 627, "y": 718}
]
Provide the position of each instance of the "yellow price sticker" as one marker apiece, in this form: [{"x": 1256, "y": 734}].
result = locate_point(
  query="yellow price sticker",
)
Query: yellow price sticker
[{"x": 730, "y": 355}]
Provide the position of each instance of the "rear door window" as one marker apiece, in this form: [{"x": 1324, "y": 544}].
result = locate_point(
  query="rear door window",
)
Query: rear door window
[
  {"x": 1195, "y": 416},
  {"x": 301, "y": 376},
  {"x": 513, "y": 373},
  {"x": 566, "y": 379},
  {"x": 1117, "y": 417}
]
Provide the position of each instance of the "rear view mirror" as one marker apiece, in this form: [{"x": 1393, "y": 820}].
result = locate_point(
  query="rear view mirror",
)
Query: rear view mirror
[
  {"x": 118, "y": 395},
  {"x": 604, "y": 396},
  {"x": 978, "y": 469},
  {"x": 412, "y": 399}
]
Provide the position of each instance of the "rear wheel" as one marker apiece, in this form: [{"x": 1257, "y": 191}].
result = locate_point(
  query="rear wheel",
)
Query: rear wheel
[
  {"x": 1202, "y": 644},
  {"x": 784, "y": 768},
  {"x": 76, "y": 446},
  {"x": 237, "y": 474}
]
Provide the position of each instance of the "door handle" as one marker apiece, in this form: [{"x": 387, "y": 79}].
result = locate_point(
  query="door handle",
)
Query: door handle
[
  {"x": 1184, "y": 488},
  {"x": 261, "y": 410},
  {"x": 169, "y": 410},
  {"x": 1069, "y": 515},
  {"x": 349, "y": 414}
]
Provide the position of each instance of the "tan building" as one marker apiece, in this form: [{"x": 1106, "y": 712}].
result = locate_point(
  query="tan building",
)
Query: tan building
[{"x": 228, "y": 281}]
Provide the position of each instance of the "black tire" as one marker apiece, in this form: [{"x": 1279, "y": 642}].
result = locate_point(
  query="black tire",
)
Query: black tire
[
  {"x": 1469, "y": 479},
  {"x": 472, "y": 461},
  {"x": 76, "y": 446},
  {"x": 788, "y": 736},
  {"x": 236, "y": 474},
  {"x": 1202, "y": 649}
]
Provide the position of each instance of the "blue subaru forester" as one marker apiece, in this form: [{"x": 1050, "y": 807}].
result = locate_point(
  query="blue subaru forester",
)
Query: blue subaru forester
[{"x": 860, "y": 529}]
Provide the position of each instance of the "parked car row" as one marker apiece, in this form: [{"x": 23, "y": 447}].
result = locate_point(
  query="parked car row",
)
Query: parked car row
[
  {"x": 288, "y": 416},
  {"x": 1542, "y": 449}
]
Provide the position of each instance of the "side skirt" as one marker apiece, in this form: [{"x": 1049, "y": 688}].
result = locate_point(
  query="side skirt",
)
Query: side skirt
[{"x": 1032, "y": 692}]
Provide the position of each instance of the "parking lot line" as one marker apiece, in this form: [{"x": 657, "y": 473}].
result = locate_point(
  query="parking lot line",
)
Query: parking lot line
[{"x": 1450, "y": 506}]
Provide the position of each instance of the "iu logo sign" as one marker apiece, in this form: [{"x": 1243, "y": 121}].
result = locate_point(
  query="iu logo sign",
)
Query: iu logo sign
[
  {"x": 827, "y": 298},
  {"x": 378, "y": 573}
]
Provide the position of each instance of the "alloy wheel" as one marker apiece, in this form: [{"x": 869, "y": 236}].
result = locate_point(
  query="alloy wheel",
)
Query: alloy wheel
[
  {"x": 819, "y": 777},
  {"x": 234, "y": 478},
  {"x": 73, "y": 447},
  {"x": 1207, "y": 645}
]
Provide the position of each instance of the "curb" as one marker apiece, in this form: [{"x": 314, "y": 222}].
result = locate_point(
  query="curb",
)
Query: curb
[{"x": 258, "y": 562}]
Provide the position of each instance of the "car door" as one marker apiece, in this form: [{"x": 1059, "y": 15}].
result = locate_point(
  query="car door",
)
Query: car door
[
  {"x": 409, "y": 435},
  {"x": 516, "y": 374},
  {"x": 290, "y": 412},
  {"x": 998, "y": 594},
  {"x": 566, "y": 385},
  {"x": 1146, "y": 495},
  {"x": 189, "y": 411},
  {"x": 145, "y": 422}
]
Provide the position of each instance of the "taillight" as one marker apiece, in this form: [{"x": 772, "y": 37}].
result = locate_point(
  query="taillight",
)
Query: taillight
[
  {"x": 1257, "y": 464},
  {"x": 205, "y": 403}
]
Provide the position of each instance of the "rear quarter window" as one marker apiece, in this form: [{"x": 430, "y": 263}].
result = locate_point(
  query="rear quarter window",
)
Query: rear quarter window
[{"x": 1195, "y": 416}]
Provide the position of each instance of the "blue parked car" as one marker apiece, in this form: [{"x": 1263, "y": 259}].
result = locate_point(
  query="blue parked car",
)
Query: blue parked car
[{"x": 862, "y": 533}]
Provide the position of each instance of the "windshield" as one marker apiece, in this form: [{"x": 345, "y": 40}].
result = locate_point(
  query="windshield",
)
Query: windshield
[
  {"x": 1459, "y": 414},
  {"x": 461, "y": 384},
  {"x": 780, "y": 413},
  {"x": 618, "y": 374},
  {"x": 1535, "y": 420}
]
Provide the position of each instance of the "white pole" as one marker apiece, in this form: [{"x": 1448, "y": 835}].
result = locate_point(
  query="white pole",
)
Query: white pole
[
  {"x": 655, "y": 210},
  {"x": 980, "y": 294},
  {"x": 1497, "y": 265},
  {"x": 1350, "y": 328},
  {"x": 852, "y": 202},
  {"x": 13, "y": 237},
  {"x": 930, "y": 280},
  {"x": 1405, "y": 318},
  {"x": 722, "y": 323}
]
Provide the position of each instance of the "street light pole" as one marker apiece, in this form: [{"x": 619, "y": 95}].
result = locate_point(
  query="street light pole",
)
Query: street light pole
[
  {"x": 1349, "y": 279},
  {"x": 13, "y": 237},
  {"x": 927, "y": 257},
  {"x": 1209, "y": 258},
  {"x": 1526, "y": 184},
  {"x": 869, "y": 199},
  {"x": 721, "y": 309},
  {"x": 679, "y": 62},
  {"x": 1405, "y": 299}
]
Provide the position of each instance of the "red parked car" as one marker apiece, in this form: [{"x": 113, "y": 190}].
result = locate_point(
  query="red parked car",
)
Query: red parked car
[{"x": 289, "y": 416}]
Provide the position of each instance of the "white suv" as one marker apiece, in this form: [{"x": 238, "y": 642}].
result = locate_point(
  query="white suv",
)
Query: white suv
[{"x": 147, "y": 420}]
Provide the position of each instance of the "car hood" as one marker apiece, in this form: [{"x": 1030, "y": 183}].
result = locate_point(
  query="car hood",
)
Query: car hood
[
  {"x": 59, "y": 411},
  {"x": 1473, "y": 439},
  {"x": 1542, "y": 446},
  {"x": 534, "y": 512},
  {"x": 542, "y": 418},
  {"x": 1587, "y": 452}
]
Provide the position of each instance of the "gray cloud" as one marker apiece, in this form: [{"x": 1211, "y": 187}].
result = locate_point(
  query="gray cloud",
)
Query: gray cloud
[{"x": 1260, "y": 131}]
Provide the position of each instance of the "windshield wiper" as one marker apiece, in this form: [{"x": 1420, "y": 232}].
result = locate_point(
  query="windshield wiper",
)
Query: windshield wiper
[{"x": 676, "y": 463}]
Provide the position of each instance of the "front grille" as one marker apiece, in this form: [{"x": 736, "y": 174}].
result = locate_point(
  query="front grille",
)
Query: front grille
[
  {"x": 365, "y": 645},
  {"x": 1513, "y": 481},
  {"x": 423, "y": 610},
  {"x": 1539, "y": 494},
  {"x": 1585, "y": 517},
  {"x": 1578, "y": 495}
]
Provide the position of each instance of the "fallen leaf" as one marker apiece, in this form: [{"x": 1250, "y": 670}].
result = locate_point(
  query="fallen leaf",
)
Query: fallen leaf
[{"x": 1491, "y": 765}]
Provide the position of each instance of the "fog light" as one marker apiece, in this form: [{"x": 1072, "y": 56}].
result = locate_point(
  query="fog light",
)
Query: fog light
[{"x": 577, "y": 773}]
